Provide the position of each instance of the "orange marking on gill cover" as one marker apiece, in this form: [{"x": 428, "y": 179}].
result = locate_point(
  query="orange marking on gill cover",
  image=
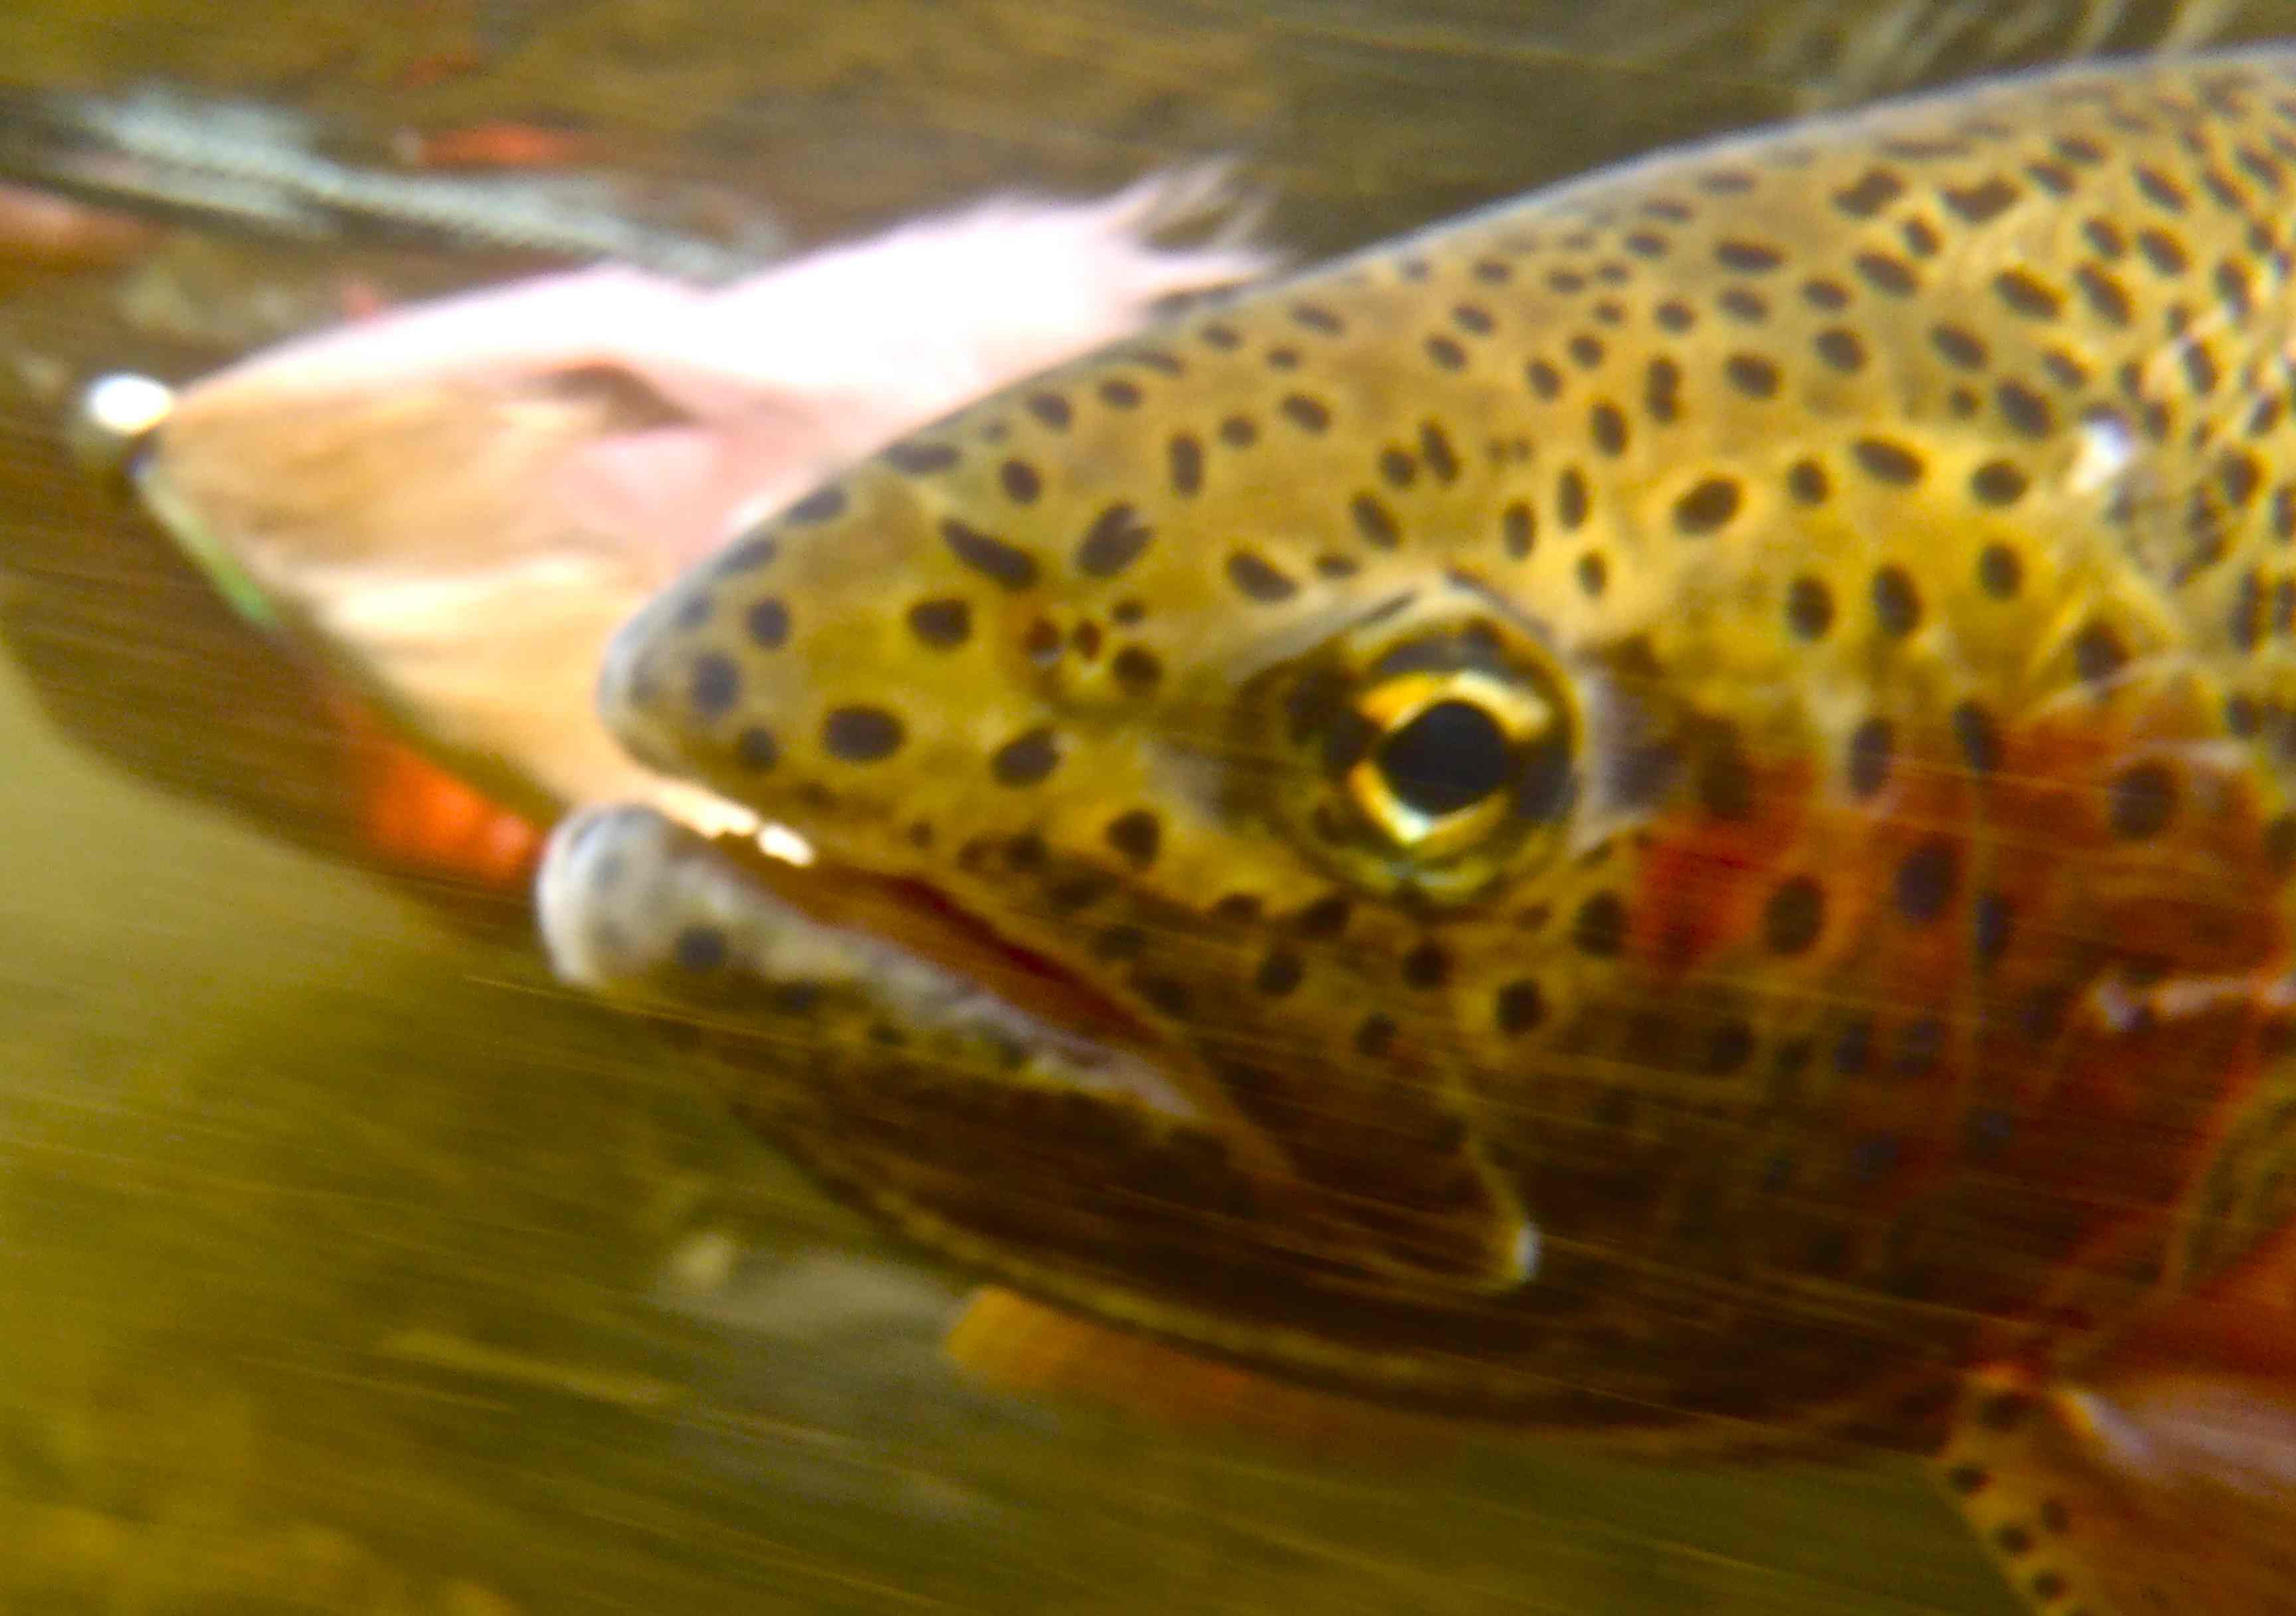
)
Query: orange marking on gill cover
[{"x": 1706, "y": 875}]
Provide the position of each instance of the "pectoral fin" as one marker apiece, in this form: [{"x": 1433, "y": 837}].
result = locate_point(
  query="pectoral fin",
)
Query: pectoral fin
[
  {"x": 2161, "y": 1481},
  {"x": 1014, "y": 1343}
]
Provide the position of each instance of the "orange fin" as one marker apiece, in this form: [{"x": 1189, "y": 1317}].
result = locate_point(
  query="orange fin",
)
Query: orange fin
[{"x": 1016, "y": 1344}]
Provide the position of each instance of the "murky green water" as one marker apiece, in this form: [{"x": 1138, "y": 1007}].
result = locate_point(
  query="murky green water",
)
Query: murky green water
[{"x": 349, "y": 1266}]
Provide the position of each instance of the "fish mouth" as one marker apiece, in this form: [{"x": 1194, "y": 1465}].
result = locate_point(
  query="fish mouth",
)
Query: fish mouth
[{"x": 640, "y": 907}]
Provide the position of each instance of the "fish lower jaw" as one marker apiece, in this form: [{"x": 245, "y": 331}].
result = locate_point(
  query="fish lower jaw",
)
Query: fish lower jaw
[{"x": 647, "y": 909}]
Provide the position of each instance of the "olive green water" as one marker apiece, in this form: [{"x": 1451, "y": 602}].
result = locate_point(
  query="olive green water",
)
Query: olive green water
[{"x": 346, "y": 1265}]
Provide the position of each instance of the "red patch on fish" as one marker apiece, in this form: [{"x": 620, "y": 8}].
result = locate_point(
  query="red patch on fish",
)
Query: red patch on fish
[{"x": 1706, "y": 875}]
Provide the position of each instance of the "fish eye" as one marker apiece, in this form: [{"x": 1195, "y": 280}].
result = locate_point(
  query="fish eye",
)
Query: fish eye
[
  {"x": 1431, "y": 761},
  {"x": 1455, "y": 757},
  {"x": 1446, "y": 757}
]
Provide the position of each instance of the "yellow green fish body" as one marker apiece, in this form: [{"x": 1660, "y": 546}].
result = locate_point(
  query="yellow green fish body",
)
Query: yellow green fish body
[{"x": 1664, "y": 810}]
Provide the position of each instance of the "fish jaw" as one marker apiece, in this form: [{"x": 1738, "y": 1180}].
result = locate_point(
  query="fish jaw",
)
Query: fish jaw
[
  {"x": 830, "y": 994},
  {"x": 629, "y": 897}
]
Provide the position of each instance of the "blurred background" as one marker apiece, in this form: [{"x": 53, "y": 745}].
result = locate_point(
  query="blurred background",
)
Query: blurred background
[{"x": 347, "y": 1265}]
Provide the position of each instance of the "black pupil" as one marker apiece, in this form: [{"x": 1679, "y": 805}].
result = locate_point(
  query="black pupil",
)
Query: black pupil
[{"x": 1451, "y": 755}]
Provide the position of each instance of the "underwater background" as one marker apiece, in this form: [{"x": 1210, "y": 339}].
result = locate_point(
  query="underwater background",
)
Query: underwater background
[{"x": 347, "y": 1264}]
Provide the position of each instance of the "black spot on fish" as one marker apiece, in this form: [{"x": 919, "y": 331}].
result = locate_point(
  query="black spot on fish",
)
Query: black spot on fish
[
  {"x": 1841, "y": 349},
  {"x": 1026, "y": 760},
  {"x": 1707, "y": 507},
  {"x": 1571, "y": 498},
  {"x": 1958, "y": 347},
  {"x": 1809, "y": 608},
  {"x": 1606, "y": 423},
  {"x": 1978, "y": 736},
  {"x": 2027, "y": 294},
  {"x": 1752, "y": 375},
  {"x": 1925, "y": 880},
  {"x": 1435, "y": 449},
  {"x": 1258, "y": 580},
  {"x": 1982, "y": 202},
  {"x": 1519, "y": 1007},
  {"x": 1871, "y": 746},
  {"x": 1997, "y": 483},
  {"x": 1875, "y": 191},
  {"x": 1662, "y": 389},
  {"x": 1184, "y": 457},
  {"x": 1136, "y": 670},
  {"x": 1136, "y": 834},
  {"x": 756, "y": 750},
  {"x": 2098, "y": 653},
  {"x": 988, "y": 555},
  {"x": 1891, "y": 276},
  {"x": 1794, "y": 915},
  {"x": 745, "y": 554},
  {"x": 2144, "y": 801},
  {"x": 1020, "y": 480},
  {"x": 1374, "y": 521},
  {"x": 767, "y": 624},
  {"x": 1427, "y": 966},
  {"x": 861, "y": 734},
  {"x": 1885, "y": 461},
  {"x": 1599, "y": 927},
  {"x": 1747, "y": 258},
  {"x": 920, "y": 458},
  {"x": 713, "y": 684},
  {"x": 823, "y": 504},
  {"x": 941, "y": 624},
  {"x": 2000, "y": 572},
  {"x": 1279, "y": 973},
  {"x": 2163, "y": 251},
  {"x": 2160, "y": 190},
  {"x": 1114, "y": 541},
  {"x": 698, "y": 949},
  {"x": 2106, "y": 298},
  {"x": 1306, "y": 413}
]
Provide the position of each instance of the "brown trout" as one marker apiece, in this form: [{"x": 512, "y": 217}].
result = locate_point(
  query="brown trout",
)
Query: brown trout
[{"x": 1663, "y": 812}]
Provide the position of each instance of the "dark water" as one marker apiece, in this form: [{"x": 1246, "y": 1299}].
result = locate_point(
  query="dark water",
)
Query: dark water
[{"x": 348, "y": 1265}]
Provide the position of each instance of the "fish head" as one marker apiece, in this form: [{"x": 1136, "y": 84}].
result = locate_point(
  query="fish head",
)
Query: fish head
[
  {"x": 1255, "y": 787},
  {"x": 1562, "y": 819}
]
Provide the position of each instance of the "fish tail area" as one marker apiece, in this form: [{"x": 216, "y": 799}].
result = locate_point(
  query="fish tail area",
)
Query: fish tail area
[{"x": 1013, "y": 1343}]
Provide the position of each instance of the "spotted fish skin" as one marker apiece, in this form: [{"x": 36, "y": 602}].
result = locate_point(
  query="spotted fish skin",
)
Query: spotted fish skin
[{"x": 1685, "y": 778}]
